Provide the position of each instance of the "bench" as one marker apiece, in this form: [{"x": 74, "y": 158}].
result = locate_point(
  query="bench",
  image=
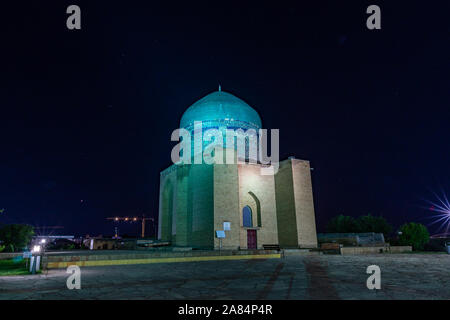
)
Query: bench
[
  {"x": 271, "y": 247},
  {"x": 330, "y": 247}
]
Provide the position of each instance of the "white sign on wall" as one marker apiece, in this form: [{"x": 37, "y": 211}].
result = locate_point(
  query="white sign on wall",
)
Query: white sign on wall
[
  {"x": 220, "y": 234},
  {"x": 227, "y": 226}
]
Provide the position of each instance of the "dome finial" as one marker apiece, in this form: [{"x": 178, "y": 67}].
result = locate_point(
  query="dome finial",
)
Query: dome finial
[{"x": 220, "y": 87}]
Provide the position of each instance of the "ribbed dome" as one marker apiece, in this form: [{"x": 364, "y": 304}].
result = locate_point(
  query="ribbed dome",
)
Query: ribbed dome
[{"x": 221, "y": 109}]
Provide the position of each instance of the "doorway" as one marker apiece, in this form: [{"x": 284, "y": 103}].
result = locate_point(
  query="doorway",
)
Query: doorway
[{"x": 251, "y": 239}]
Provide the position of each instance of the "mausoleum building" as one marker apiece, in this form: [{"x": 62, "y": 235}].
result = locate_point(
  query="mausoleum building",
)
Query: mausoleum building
[{"x": 253, "y": 210}]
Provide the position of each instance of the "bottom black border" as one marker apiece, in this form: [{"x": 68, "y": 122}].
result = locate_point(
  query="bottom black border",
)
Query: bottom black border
[{"x": 295, "y": 309}]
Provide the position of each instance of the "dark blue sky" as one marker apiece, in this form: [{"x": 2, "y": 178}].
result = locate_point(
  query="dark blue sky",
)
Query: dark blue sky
[{"x": 86, "y": 116}]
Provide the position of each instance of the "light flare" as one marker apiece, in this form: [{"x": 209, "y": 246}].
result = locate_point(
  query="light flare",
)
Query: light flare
[{"x": 441, "y": 209}]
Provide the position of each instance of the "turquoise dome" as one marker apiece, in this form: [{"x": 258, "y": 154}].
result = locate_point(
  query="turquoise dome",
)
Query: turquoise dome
[{"x": 221, "y": 109}]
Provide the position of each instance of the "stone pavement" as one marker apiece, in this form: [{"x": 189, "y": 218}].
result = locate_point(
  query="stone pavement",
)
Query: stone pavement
[{"x": 403, "y": 276}]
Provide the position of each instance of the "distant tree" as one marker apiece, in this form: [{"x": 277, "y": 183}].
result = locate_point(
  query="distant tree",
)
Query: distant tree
[
  {"x": 342, "y": 224},
  {"x": 414, "y": 234},
  {"x": 15, "y": 236},
  {"x": 370, "y": 223}
]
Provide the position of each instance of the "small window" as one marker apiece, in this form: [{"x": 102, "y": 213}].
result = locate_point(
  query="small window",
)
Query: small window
[{"x": 247, "y": 217}]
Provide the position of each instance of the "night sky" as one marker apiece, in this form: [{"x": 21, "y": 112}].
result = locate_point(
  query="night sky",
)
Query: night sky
[{"x": 86, "y": 116}]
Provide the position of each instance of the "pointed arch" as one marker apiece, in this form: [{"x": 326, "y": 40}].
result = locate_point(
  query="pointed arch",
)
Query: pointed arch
[{"x": 258, "y": 208}]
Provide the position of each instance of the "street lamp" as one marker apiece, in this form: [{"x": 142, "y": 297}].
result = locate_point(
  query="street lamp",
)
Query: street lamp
[{"x": 35, "y": 258}]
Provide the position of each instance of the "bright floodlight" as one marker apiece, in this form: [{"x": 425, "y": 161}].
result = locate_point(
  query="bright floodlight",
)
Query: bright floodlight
[
  {"x": 43, "y": 240},
  {"x": 36, "y": 249},
  {"x": 442, "y": 209}
]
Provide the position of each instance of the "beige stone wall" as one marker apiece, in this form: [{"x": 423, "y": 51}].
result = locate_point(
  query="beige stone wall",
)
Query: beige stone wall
[
  {"x": 226, "y": 204},
  {"x": 281, "y": 205},
  {"x": 286, "y": 217},
  {"x": 304, "y": 205},
  {"x": 262, "y": 187}
]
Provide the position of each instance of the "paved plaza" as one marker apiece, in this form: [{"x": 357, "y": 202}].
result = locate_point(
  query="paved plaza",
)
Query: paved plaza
[{"x": 403, "y": 276}]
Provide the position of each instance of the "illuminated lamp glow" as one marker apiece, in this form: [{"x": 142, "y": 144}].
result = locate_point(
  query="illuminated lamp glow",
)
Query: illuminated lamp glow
[
  {"x": 441, "y": 208},
  {"x": 36, "y": 249}
]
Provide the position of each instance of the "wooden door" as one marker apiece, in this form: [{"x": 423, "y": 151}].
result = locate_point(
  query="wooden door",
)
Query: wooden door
[{"x": 251, "y": 239}]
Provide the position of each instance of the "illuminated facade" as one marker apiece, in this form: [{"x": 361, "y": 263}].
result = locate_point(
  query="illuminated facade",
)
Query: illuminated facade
[{"x": 196, "y": 200}]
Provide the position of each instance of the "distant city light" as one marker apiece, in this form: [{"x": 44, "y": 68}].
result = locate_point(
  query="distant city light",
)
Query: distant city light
[
  {"x": 43, "y": 240},
  {"x": 142, "y": 219}
]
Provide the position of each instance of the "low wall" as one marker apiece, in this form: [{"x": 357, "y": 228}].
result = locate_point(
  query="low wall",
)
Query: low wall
[
  {"x": 359, "y": 239},
  {"x": 400, "y": 249},
  {"x": 373, "y": 250},
  {"x": 299, "y": 252},
  {"x": 9, "y": 255},
  {"x": 108, "y": 257},
  {"x": 363, "y": 250},
  {"x": 134, "y": 254}
]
